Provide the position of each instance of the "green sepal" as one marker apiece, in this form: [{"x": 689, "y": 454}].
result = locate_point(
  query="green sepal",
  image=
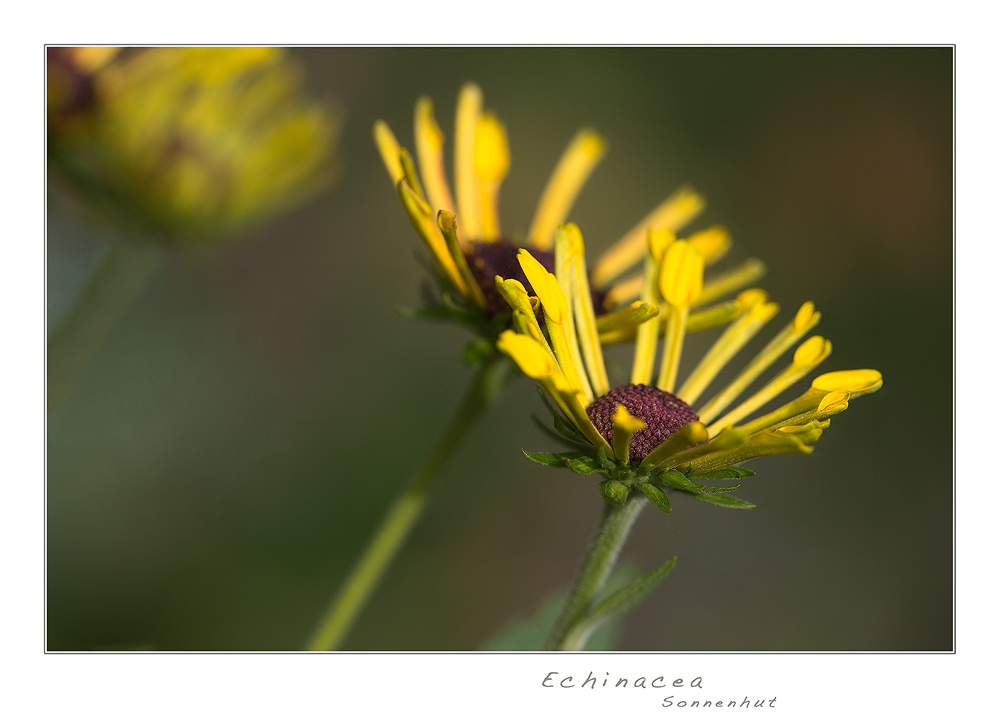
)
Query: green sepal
[
  {"x": 477, "y": 351},
  {"x": 730, "y": 473},
  {"x": 569, "y": 431},
  {"x": 565, "y": 428},
  {"x": 552, "y": 459},
  {"x": 678, "y": 481},
  {"x": 614, "y": 492},
  {"x": 585, "y": 465},
  {"x": 726, "y": 501},
  {"x": 621, "y": 601},
  {"x": 656, "y": 496},
  {"x": 552, "y": 433}
]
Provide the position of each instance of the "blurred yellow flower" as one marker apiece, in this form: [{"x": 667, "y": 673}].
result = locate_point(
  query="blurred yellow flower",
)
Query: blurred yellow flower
[
  {"x": 463, "y": 231},
  {"x": 187, "y": 142}
]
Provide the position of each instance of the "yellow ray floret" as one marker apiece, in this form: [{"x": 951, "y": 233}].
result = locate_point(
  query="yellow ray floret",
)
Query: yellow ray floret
[
  {"x": 574, "y": 167},
  {"x": 557, "y": 319},
  {"x": 621, "y": 325},
  {"x": 725, "y": 440},
  {"x": 828, "y": 395},
  {"x": 492, "y": 160},
  {"x": 625, "y": 320},
  {"x": 470, "y": 106},
  {"x": 449, "y": 228},
  {"x": 679, "y": 441},
  {"x": 674, "y": 213},
  {"x": 759, "y": 445},
  {"x": 536, "y": 362},
  {"x": 647, "y": 334},
  {"x": 712, "y": 243},
  {"x": 805, "y": 319},
  {"x": 623, "y": 426},
  {"x": 807, "y": 357},
  {"x": 430, "y": 155},
  {"x": 388, "y": 148},
  {"x": 680, "y": 286},
  {"x": 517, "y": 298},
  {"x": 420, "y": 215},
  {"x": 564, "y": 275},
  {"x": 723, "y": 284},
  {"x": 725, "y": 348},
  {"x": 583, "y": 307}
]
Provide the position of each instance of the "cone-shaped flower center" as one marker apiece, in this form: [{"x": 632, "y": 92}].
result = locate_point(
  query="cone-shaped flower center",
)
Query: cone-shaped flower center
[
  {"x": 663, "y": 413},
  {"x": 499, "y": 258}
]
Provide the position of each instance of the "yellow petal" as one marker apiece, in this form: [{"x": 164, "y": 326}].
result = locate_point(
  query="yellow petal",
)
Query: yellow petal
[
  {"x": 732, "y": 340},
  {"x": 624, "y": 425},
  {"x": 388, "y": 147},
  {"x": 545, "y": 285},
  {"x": 731, "y": 280},
  {"x": 807, "y": 357},
  {"x": 574, "y": 167},
  {"x": 804, "y": 320},
  {"x": 679, "y": 441},
  {"x": 449, "y": 228},
  {"x": 681, "y": 274},
  {"x": 527, "y": 353},
  {"x": 712, "y": 243},
  {"x": 470, "y": 105},
  {"x": 430, "y": 154},
  {"x": 855, "y": 381},
  {"x": 812, "y": 351},
  {"x": 492, "y": 153},
  {"x": 674, "y": 213},
  {"x": 584, "y": 318}
]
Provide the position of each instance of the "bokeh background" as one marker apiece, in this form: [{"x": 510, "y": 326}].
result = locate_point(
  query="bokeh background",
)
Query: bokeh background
[{"x": 228, "y": 452}]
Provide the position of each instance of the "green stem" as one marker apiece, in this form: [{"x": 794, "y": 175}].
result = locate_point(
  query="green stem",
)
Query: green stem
[
  {"x": 121, "y": 277},
  {"x": 601, "y": 557},
  {"x": 401, "y": 518}
]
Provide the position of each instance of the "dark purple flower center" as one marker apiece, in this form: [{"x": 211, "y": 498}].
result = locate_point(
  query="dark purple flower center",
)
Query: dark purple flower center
[
  {"x": 488, "y": 260},
  {"x": 663, "y": 413}
]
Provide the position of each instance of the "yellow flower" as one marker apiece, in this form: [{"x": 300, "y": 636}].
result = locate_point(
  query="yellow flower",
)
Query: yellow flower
[
  {"x": 463, "y": 233},
  {"x": 655, "y": 437},
  {"x": 188, "y": 141}
]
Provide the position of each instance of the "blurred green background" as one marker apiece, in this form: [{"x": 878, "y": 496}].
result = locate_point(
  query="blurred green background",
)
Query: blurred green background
[{"x": 227, "y": 454}]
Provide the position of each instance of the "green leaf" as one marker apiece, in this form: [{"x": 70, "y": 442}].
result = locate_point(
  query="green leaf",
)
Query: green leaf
[
  {"x": 729, "y": 473},
  {"x": 530, "y": 633},
  {"x": 620, "y": 602},
  {"x": 657, "y": 496},
  {"x": 585, "y": 465},
  {"x": 726, "y": 501}
]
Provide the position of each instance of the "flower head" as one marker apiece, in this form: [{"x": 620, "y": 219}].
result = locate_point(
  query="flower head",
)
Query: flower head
[
  {"x": 650, "y": 438},
  {"x": 468, "y": 245},
  {"x": 187, "y": 142}
]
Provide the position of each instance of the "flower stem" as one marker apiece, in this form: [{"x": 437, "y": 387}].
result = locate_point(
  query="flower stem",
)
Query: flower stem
[
  {"x": 404, "y": 513},
  {"x": 601, "y": 557},
  {"x": 120, "y": 278}
]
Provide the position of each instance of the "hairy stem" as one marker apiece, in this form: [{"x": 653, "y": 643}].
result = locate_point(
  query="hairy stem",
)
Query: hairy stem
[
  {"x": 406, "y": 510},
  {"x": 600, "y": 560},
  {"x": 120, "y": 279}
]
